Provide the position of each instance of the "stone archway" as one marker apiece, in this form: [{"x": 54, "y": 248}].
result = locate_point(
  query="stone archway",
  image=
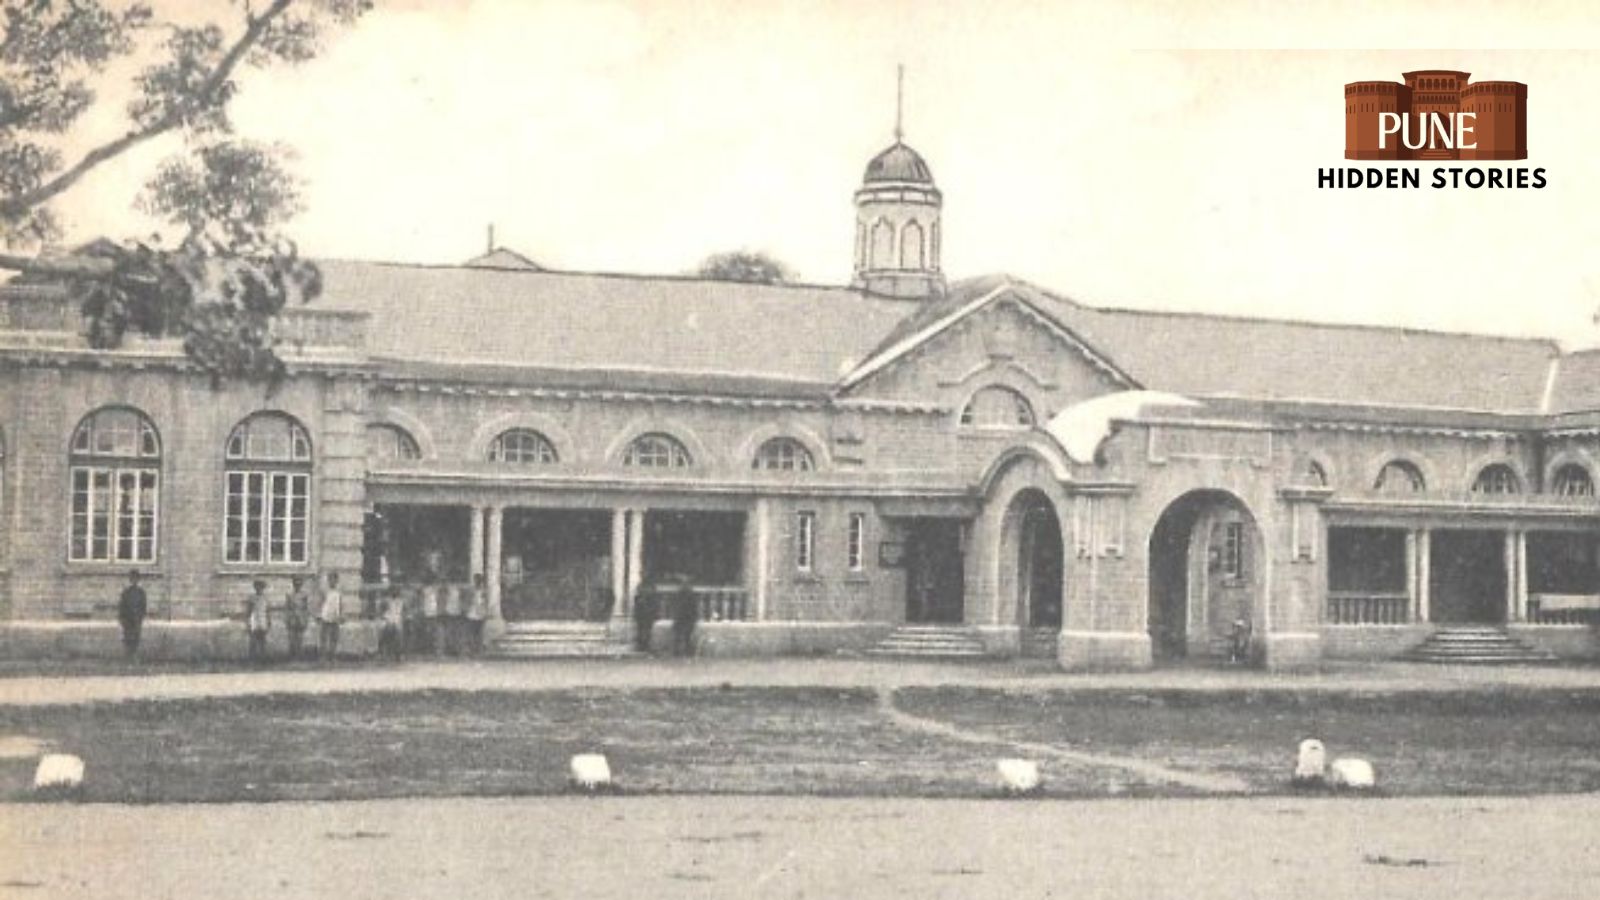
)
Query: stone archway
[
  {"x": 1032, "y": 543},
  {"x": 1207, "y": 569}
]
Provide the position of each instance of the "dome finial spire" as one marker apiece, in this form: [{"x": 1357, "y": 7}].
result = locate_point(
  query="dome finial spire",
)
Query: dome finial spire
[{"x": 899, "y": 100}]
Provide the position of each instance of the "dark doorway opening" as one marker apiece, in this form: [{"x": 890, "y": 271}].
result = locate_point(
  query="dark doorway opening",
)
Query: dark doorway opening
[
  {"x": 406, "y": 543},
  {"x": 705, "y": 547},
  {"x": 1040, "y": 561},
  {"x": 1205, "y": 575},
  {"x": 556, "y": 565},
  {"x": 1467, "y": 582},
  {"x": 935, "y": 573}
]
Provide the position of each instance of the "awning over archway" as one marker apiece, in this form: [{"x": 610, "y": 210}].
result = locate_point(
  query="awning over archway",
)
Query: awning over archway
[{"x": 1080, "y": 429}]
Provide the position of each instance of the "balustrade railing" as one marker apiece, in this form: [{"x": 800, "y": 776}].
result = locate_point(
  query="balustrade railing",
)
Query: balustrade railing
[
  {"x": 1563, "y": 609},
  {"x": 722, "y": 603},
  {"x": 1368, "y": 608}
]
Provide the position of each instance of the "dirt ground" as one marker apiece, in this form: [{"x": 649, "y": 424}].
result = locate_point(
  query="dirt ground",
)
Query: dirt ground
[{"x": 669, "y": 847}]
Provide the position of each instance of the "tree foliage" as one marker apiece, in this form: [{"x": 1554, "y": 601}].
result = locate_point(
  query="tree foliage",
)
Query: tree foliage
[
  {"x": 221, "y": 285},
  {"x": 745, "y": 265}
]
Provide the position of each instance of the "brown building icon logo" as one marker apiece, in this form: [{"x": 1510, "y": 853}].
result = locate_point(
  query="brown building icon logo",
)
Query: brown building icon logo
[{"x": 1436, "y": 115}]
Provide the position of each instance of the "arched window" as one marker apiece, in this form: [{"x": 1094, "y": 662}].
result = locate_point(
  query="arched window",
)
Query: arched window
[
  {"x": 267, "y": 505},
  {"x": 882, "y": 245},
  {"x": 933, "y": 245},
  {"x": 912, "y": 254},
  {"x": 1399, "y": 477},
  {"x": 389, "y": 442},
  {"x": 784, "y": 455},
  {"x": 115, "y": 464},
  {"x": 997, "y": 407},
  {"x": 1311, "y": 474},
  {"x": 656, "y": 451},
  {"x": 1497, "y": 478},
  {"x": 522, "y": 446},
  {"x": 1571, "y": 480}
]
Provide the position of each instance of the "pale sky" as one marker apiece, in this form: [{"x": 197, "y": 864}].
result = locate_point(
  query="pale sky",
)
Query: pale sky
[{"x": 1121, "y": 153}]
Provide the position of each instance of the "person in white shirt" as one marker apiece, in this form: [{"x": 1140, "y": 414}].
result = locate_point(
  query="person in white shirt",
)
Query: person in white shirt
[
  {"x": 477, "y": 612},
  {"x": 256, "y": 620},
  {"x": 330, "y": 612}
]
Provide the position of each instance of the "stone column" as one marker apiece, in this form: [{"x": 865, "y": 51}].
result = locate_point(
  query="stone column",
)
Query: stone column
[
  {"x": 763, "y": 554},
  {"x": 1424, "y": 574},
  {"x": 496, "y": 622},
  {"x": 1413, "y": 571},
  {"x": 1519, "y": 601},
  {"x": 475, "y": 550},
  {"x": 1511, "y": 575},
  {"x": 635, "y": 550},
  {"x": 622, "y": 605}
]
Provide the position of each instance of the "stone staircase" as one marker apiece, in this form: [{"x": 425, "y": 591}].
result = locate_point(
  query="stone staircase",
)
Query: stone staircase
[
  {"x": 556, "y": 640},
  {"x": 1475, "y": 645},
  {"x": 929, "y": 642}
]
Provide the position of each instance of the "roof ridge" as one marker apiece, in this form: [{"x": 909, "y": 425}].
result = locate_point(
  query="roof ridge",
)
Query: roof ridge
[
  {"x": 588, "y": 273},
  {"x": 1550, "y": 342}
]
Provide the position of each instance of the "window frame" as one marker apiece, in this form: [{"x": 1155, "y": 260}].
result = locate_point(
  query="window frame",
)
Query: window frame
[
  {"x": 1559, "y": 480},
  {"x": 1024, "y": 416},
  {"x": 855, "y": 547},
  {"x": 805, "y": 541},
  {"x": 798, "y": 453},
  {"x": 677, "y": 453},
  {"x": 265, "y": 497},
  {"x": 100, "y": 474},
  {"x": 544, "y": 449},
  {"x": 406, "y": 446}
]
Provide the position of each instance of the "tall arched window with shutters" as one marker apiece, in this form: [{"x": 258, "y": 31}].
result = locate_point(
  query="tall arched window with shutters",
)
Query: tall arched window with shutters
[
  {"x": 267, "y": 507},
  {"x": 114, "y": 465}
]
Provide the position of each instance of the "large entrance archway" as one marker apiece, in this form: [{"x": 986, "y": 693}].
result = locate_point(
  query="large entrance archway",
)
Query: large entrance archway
[
  {"x": 1206, "y": 572},
  {"x": 1036, "y": 552}
]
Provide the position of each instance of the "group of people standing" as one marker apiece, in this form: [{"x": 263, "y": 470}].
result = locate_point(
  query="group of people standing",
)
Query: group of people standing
[
  {"x": 301, "y": 606},
  {"x": 433, "y": 616}
]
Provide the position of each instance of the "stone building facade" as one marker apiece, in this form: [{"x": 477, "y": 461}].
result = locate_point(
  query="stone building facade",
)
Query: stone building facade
[{"x": 827, "y": 466}]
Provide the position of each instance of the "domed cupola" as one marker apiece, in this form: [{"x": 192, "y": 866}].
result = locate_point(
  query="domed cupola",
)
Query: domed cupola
[{"x": 897, "y": 225}]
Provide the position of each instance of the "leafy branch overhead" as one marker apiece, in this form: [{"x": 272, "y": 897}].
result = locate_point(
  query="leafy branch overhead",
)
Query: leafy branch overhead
[{"x": 220, "y": 287}]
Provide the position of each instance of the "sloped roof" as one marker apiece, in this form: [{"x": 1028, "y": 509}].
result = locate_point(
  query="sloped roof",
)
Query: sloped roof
[
  {"x": 1282, "y": 360},
  {"x": 1577, "y": 382},
  {"x": 610, "y": 323},
  {"x": 503, "y": 258},
  {"x": 1271, "y": 359}
]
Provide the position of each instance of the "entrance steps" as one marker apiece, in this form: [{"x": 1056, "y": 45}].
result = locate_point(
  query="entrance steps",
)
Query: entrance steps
[
  {"x": 1475, "y": 645},
  {"x": 556, "y": 640},
  {"x": 930, "y": 642}
]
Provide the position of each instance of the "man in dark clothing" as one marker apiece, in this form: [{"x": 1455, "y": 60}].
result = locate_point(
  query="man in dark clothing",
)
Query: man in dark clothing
[
  {"x": 131, "y": 609},
  {"x": 685, "y": 614},
  {"x": 646, "y": 610}
]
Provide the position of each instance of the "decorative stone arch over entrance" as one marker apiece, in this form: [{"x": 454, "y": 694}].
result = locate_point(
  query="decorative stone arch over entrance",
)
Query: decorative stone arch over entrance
[
  {"x": 1208, "y": 569},
  {"x": 1016, "y": 558}
]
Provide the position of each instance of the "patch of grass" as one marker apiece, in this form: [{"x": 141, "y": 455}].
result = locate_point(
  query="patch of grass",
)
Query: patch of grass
[
  {"x": 440, "y": 743},
  {"x": 791, "y": 740},
  {"x": 1505, "y": 741}
]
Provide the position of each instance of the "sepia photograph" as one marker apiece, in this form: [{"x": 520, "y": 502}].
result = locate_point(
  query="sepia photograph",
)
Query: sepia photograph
[{"x": 835, "y": 449}]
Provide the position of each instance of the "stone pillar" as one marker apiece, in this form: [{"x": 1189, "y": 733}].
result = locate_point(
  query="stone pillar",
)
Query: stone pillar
[
  {"x": 622, "y": 606},
  {"x": 763, "y": 555},
  {"x": 475, "y": 550},
  {"x": 1519, "y": 598},
  {"x": 1511, "y": 575},
  {"x": 635, "y": 551},
  {"x": 1413, "y": 570},
  {"x": 492, "y": 564},
  {"x": 1424, "y": 574}
]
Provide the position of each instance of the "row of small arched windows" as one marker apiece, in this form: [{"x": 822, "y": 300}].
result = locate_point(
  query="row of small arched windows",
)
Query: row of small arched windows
[
  {"x": 1401, "y": 476},
  {"x": 877, "y": 245},
  {"x": 654, "y": 450}
]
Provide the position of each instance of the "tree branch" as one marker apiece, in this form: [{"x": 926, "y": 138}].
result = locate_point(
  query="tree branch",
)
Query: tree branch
[
  {"x": 59, "y": 266},
  {"x": 13, "y": 207}
]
